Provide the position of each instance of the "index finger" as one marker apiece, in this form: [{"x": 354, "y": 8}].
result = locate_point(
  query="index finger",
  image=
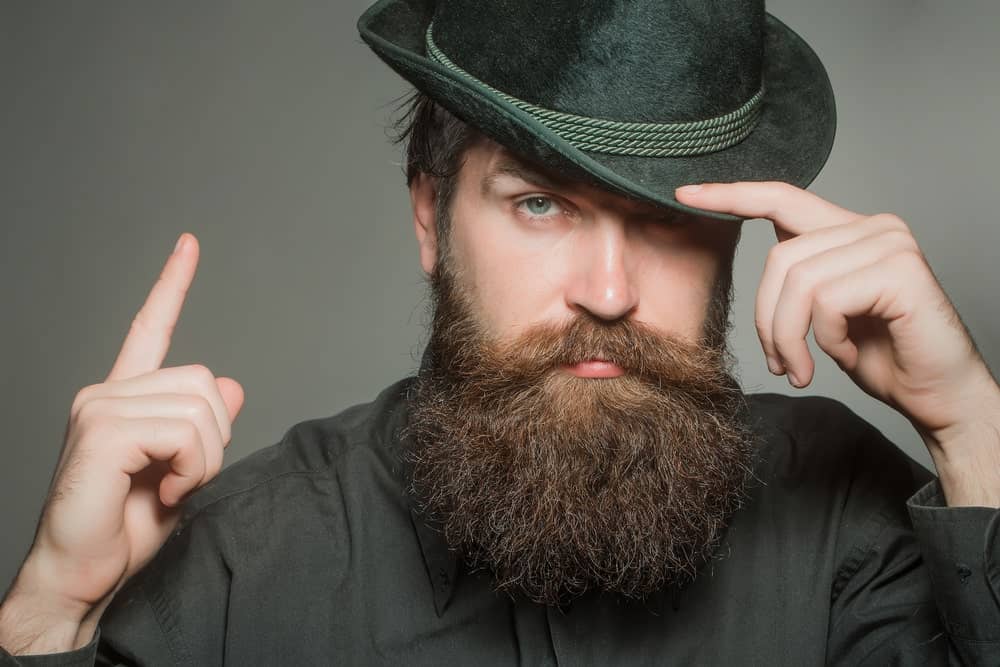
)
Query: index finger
[
  {"x": 793, "y": 210},
  {"x": 148, "y": 339}
]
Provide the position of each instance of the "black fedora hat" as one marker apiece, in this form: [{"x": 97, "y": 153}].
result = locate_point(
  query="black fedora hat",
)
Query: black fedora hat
[{"x": 638, "y": 96}]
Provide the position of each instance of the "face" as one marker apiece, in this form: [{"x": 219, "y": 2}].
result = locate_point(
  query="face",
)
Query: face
[
  {"x": 530, "y": 248},
  {"x": 574, "y": 425}
]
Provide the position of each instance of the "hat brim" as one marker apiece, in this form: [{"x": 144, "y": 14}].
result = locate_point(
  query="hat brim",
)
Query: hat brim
[{"x": 791, "y": 142}]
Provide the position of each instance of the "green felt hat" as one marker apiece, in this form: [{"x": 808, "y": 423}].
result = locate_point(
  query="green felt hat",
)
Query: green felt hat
[{"x": 637, "y": 96}]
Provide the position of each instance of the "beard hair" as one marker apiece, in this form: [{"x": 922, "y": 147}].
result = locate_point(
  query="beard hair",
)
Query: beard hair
[{"x": 560, "y": 485}]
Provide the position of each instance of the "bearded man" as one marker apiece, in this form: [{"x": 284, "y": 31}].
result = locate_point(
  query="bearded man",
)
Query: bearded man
[{"x": 574, "y": 476}]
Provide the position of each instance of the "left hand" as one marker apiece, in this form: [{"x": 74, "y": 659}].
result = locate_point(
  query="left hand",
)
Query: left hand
[{"x": 874, "y": 305}]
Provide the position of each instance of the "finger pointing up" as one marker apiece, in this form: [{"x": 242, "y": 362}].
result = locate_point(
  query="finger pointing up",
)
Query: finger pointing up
[{"x": 148, "y": 339}]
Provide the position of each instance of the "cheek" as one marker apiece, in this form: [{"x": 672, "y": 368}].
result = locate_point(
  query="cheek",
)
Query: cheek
[
  {"x": 675, "y": 286},
  {"x": 513, "y": 277}
]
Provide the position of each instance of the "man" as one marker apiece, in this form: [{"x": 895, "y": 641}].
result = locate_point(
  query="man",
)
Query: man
[{"x": 574, "y": 476}]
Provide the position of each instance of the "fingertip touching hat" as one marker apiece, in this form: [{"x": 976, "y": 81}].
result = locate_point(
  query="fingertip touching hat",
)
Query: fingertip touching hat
[{"x": 639, "y": 96}]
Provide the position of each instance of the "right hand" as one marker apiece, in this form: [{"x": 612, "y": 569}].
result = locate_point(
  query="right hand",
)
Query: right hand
[{"x": 136, "y": 445}]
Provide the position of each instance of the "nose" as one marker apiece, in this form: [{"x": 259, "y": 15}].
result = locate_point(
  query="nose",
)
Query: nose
[{"x": 601, "y": 279}]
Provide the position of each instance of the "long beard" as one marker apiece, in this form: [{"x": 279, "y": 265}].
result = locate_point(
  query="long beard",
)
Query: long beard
[{"x": 558, "y": 484}]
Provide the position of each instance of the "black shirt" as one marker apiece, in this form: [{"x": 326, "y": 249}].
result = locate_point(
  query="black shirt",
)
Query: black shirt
[{"x": 308, "y": 552}]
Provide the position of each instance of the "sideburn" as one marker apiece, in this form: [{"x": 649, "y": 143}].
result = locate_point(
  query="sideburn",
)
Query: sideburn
[{"x": 560, "y": 485}]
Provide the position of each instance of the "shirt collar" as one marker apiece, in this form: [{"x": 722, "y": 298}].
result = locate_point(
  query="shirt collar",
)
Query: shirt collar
[{"x": 440, "y": 561}]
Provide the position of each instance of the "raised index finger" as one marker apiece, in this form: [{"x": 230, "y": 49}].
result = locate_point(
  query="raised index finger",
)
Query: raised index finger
[
  {"x": 148, "y": 338},
  {"x": 793, "y": 211}
]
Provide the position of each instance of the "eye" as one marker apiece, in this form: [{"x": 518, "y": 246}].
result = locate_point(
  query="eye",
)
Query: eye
[{"x": 539, "y": 206}]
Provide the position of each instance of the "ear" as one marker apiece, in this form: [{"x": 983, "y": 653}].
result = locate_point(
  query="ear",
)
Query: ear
[{"x": 423, "y": 200}]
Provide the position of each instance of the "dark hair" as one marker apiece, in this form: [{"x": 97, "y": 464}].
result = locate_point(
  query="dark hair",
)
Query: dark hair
[{"x": 434, "y": 141}]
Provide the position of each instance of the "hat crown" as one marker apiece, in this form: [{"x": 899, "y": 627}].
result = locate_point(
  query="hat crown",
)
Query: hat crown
[{"x": 632, "y": 60}]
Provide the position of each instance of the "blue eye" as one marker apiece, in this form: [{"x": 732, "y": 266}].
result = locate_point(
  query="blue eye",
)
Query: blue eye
[{"x": 539, "y": 206}]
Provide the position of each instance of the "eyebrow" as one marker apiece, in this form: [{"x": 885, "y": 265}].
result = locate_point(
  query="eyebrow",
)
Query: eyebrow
[{"x": 508, "y": 166}]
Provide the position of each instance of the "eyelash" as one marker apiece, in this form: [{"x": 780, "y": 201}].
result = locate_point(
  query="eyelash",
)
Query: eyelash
[
  {"x": 662, "y": 224},
  {"x": 520, "y": 206}
]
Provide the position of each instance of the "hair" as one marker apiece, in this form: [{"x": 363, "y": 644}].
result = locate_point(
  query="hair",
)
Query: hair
[
  {"x": 434, "y": 143},
  {"x": 559, "y": 485}
]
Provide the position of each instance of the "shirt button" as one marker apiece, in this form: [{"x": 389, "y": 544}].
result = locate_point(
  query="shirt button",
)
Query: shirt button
[
  {"x": 443, "y": 579},
  {"x": 963, "y": 571}
]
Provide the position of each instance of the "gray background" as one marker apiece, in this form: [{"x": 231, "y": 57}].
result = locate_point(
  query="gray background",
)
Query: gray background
[{"x": 260, "y": 127}]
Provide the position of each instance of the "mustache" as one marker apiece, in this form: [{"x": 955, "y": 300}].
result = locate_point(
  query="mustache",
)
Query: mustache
[
  {"x": 559, "y": 484},
  {"x": 640, "y": 350}
]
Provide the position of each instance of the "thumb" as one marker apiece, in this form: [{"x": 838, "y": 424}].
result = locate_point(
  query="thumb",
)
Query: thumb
[{"x": 232, "y": 395}]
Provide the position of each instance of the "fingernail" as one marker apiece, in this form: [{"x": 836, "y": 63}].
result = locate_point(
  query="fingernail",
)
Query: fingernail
[
  {"x": 180, "y": 244},
  {"x": 794, "y": 380},
  {"x": 687, "y": 189}
]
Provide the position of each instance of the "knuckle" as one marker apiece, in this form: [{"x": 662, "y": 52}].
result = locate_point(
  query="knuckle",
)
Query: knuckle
[
  {"x": 890, "y": 220},
  {"x": 202, "y": 377},
  {"x": 910, "y": 259},
  {"x": 780, "y": 257},
  {"x": 190, "y": 435},
  {"x": 778, "y": 188},
  {"x": 798, "y": 277},
  {"x": 824, "y": 300},
  {"x": 139, "y": 324},
  {"x": 189, "y": 444},
  {"x": 143, "y": 325},
  {"x": 213, "y": 467},
  {"x": 205, "y": 387},
  {"x": 82, "y": 397},
  {"x": 200, "y": 461},
  {"x": 763, "y": 330},
  {"x": 201, "y": 412},
  {"x": 781, "y": 346},
  {"x": 903, "y": 240},
  {"x": 776, "y": 254},
  {"x": 102, "y": 433},
  {"x": 90, "y": 411},
  {"x": 783, "y": 339},
  {"x": 196, "y": 408}
]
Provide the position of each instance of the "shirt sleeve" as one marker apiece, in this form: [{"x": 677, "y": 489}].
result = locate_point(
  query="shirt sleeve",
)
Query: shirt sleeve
[
  {"x": 916, "y": 582},
  {"x": 171, "y": 612},
  {"x": 961, "y": 551},
  {"x": 920, "y": 588},
  {"x": 144, "y": 622},
  {"x": 84, "y": 656}
]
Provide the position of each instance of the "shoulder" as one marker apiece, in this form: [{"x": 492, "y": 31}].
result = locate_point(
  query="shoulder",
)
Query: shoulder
[
  {"x": 833, "y": 477},
  {"x": 306, "y": 484},
  {"x": 817, "y": 444},
  {"x": 309, "y": 450},
  {"x": 805, "y": 416},
  {"x": 821, "y": 429},
  {"x": 285, "y": 508}
]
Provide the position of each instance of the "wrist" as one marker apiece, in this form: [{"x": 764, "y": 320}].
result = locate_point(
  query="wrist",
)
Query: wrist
[
  {"x": 967, "y": 413},
  {"x": 968, "y": 464},
  {"x": 28, "y": 626},
  {"x": 38, "y": 582},
  {"x": 34, "y": 619}
]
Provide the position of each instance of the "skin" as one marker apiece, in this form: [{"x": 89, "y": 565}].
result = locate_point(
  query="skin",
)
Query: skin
[
  {"x": 136, "y": 445},
  {"x": 533, "y": 249},
  {"x": 864, "y": 286},
  {"x": 860, "y": 282}
]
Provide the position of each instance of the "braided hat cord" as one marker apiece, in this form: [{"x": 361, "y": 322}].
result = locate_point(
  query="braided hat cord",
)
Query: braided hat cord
[{"x": 623, "y": 138}]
